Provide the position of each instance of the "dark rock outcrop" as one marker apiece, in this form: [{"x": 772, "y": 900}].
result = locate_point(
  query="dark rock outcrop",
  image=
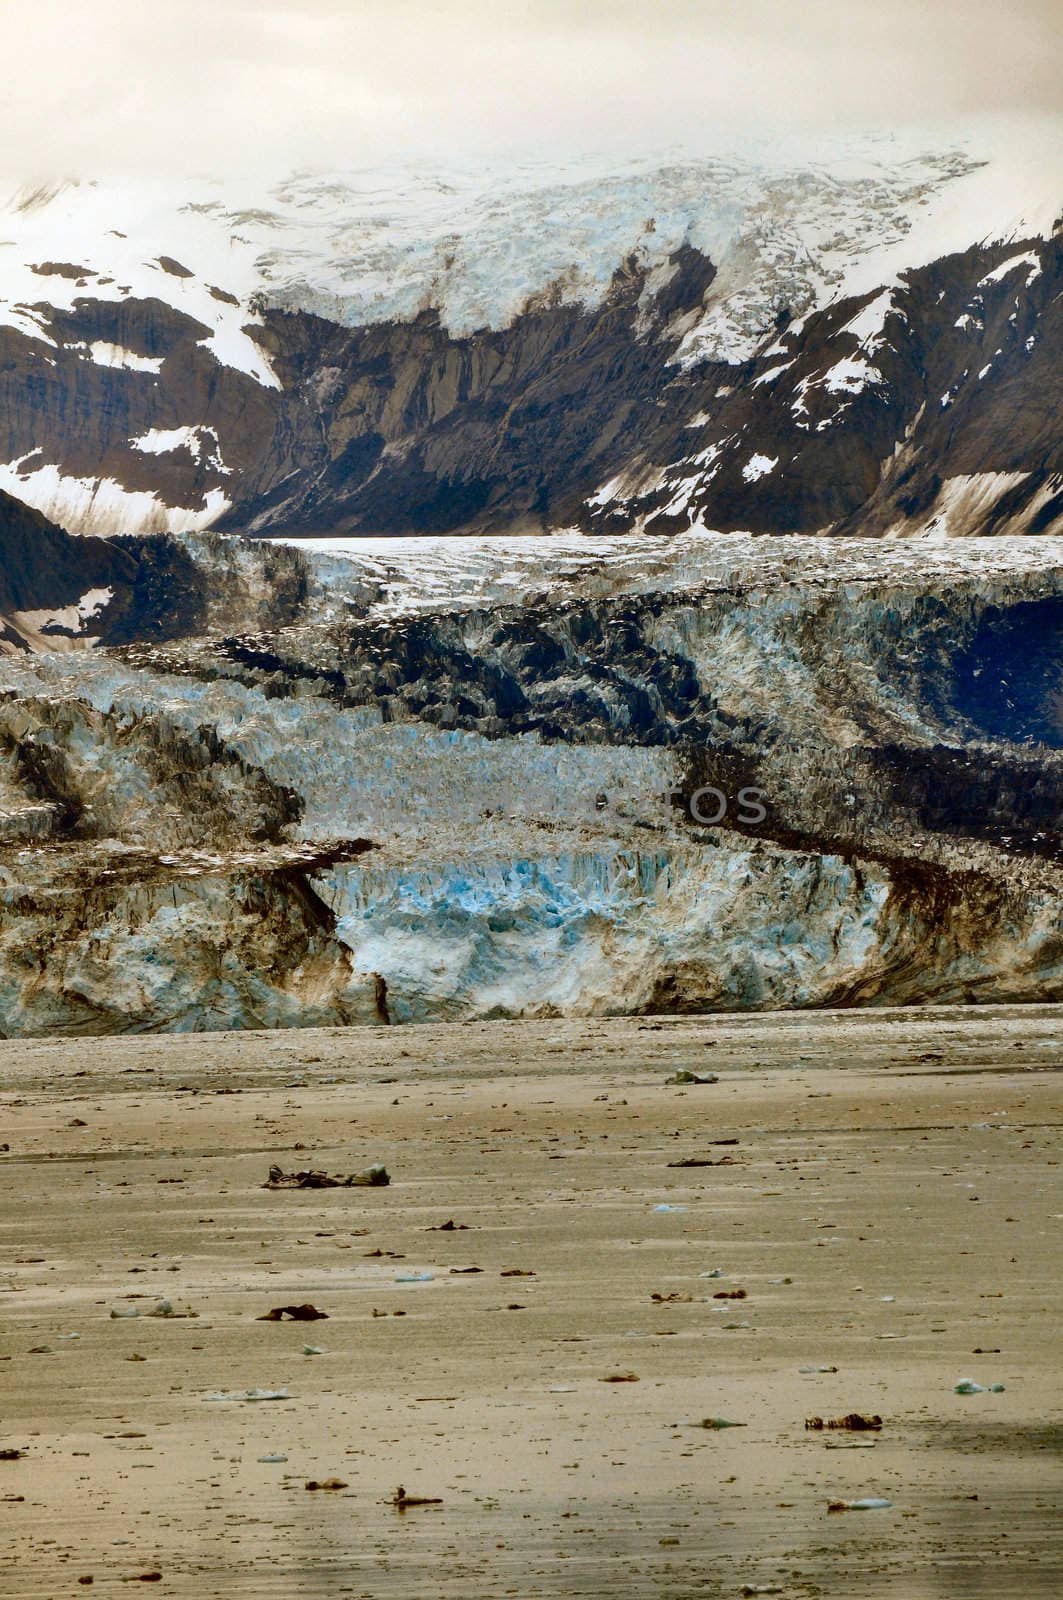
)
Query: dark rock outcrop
[
  {"x": 59, "y": 592},
  {"x": 504, "y": 429},
  {"x": 934, "y": 406},
  {"x": 42, "y": 567}
]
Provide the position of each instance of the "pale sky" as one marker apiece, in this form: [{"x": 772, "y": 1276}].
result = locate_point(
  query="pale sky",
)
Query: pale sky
[{"x": 268, "y": 85}]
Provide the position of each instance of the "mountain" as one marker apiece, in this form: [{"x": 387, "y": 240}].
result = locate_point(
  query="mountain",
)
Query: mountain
[
  {"x": 53, "y": 587},
  {"x": 868, "y": 343},
  {"x": 60, "y": 593}
]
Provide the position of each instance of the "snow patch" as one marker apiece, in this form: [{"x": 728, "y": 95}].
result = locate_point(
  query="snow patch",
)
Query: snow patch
[
  {"x": 868, "y": 325},
  {"x": 1027, "y": 259},
  {"x": 771, "y": 374},
  {"x": 28, "y": 320},
  {"x": 852, "y": 375},
  {"x": 67, "y": 619},
  {"x": 119, "y": 227},
  {"x": 114, "y": 355},
  {"x": 712, "y": 453},
  {"x": 607, "y": 493},
  {"x": 103, "y": 506},
  {"x": 200, "y": 441},
  {"x": 759, "y": 466}
]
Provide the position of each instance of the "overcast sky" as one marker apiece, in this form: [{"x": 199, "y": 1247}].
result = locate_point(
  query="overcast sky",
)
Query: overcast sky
[{"x": 195, "y": 85}]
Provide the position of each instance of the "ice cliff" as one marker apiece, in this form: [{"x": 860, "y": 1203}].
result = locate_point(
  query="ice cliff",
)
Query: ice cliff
[{"x": 480, "y": 779}]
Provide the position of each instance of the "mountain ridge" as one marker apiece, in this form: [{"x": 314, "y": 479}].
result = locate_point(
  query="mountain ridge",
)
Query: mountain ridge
[{"x": 767, "y": 350}]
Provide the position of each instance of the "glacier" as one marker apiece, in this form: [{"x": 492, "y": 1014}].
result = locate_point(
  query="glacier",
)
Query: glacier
[{"x": 457, "y": 783}]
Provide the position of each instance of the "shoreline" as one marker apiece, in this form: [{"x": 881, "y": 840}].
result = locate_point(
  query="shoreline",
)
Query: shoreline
[{"x": 843, "y": 1148}]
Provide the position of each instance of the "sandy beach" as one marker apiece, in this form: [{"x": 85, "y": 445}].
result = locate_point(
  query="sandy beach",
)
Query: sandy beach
[{"x": 878, "y": 1199}]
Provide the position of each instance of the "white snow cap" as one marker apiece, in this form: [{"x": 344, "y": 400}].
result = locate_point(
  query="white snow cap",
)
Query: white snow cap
[{"x": 786, "y": 228}]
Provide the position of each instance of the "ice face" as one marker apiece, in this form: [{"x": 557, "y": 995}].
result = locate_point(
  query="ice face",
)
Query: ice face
[{"x": 212, "y": 878}]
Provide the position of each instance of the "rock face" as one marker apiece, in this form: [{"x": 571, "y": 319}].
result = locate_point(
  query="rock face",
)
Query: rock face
[
  {"x": 52, "y": 586},
  {"x": 925, "y": 408},
  {"x": 416, "y": 430},
  {"x": 712, "y": 344},
  {"x": 691, "y": 775},
  {"x": 928, "y": 407},
  {"x": 63, "y": 593}
]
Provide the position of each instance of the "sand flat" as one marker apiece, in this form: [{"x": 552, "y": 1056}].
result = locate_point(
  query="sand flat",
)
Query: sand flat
[{"x": 891, "y": 1207}]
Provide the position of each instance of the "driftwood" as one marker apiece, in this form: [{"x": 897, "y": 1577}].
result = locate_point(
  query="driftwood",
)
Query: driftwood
[
  {"x": 853, "y": 1422},
  {"x": 371, "y": 1178},
  {"x": 303, "y": 1313},
  {"x": 704, "y": 1161}
]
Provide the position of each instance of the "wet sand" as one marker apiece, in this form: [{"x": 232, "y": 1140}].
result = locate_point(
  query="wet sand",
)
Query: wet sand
[{"x": 888, "y": 1198}]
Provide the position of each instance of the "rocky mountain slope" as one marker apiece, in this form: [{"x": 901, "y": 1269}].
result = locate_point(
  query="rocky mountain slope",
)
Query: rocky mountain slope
[
  {"x": 59, "y": 593},
  {"x": 868, "y": 344},
  {"x": 631, "y": 775}
]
